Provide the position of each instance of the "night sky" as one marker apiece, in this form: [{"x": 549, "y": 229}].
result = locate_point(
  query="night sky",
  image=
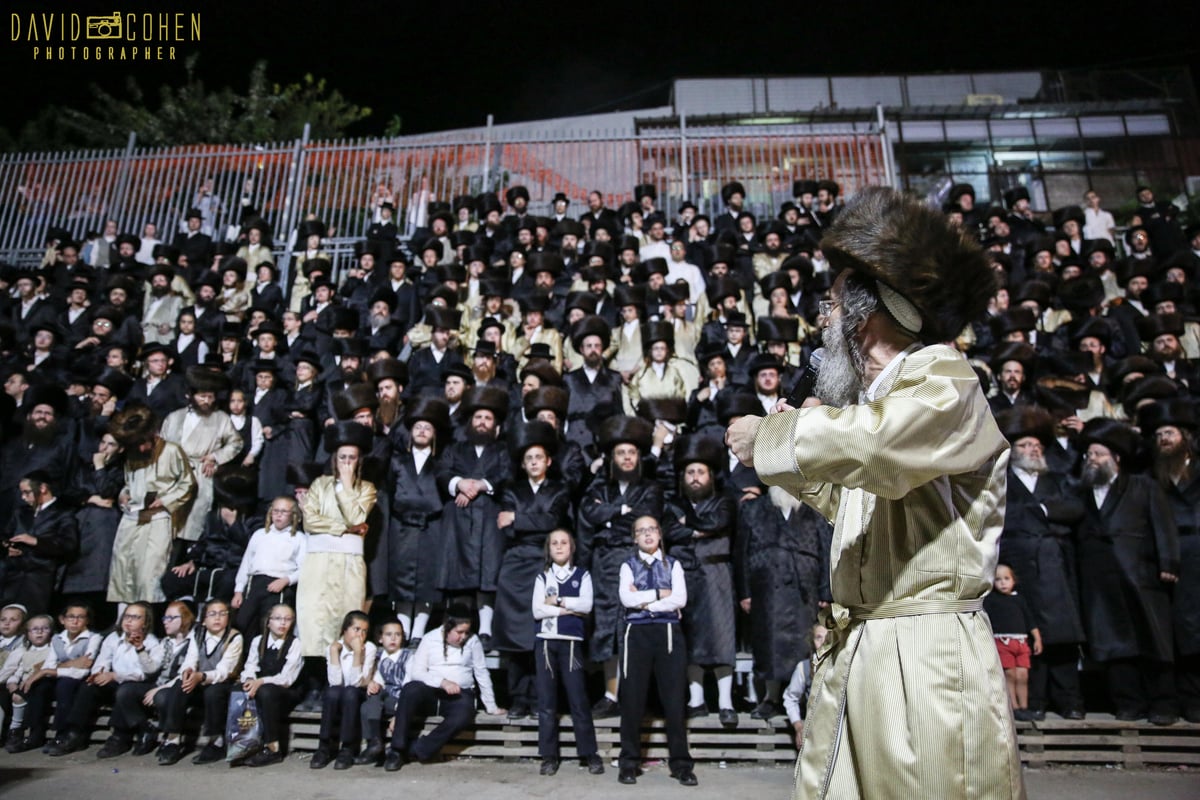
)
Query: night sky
[{"x": 447, "y": 65}]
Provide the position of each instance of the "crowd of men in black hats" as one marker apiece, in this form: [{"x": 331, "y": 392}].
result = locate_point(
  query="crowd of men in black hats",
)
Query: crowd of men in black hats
[{"x": 619, "y": 327}]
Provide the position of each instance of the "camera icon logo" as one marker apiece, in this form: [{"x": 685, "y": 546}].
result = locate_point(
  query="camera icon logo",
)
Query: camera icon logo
[{"x": 104, "y": 27}]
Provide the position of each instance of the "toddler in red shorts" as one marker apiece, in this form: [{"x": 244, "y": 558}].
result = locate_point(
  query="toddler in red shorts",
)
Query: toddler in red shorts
[{"x": 1013, "y": 627}]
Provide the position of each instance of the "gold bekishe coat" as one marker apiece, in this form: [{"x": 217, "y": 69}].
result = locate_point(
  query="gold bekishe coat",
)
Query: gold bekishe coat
[{"x": 908, "y": 698}]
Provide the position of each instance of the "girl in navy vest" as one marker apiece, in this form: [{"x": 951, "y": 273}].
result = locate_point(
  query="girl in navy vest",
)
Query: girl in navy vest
[
  {"x": 350, "y": 664},
  {"x": 269, "y": 677},
  {"x": 653, "y": 594},
  {"x": 208, "y": 676},
  {"x": 562, "y": 600}
]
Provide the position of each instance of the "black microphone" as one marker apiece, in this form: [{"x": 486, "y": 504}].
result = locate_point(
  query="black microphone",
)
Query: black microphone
[{"x": 808, "y": 380}]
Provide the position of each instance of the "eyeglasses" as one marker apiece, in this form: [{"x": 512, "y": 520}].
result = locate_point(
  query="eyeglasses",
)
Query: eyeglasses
[
  {"x": 647, "y": 529},
  {"x": 826, "y": 307},
  {"x": 171, "y": 618},
  {"x": 103, "y": 323},
  {"x": 217, "y": 613}
]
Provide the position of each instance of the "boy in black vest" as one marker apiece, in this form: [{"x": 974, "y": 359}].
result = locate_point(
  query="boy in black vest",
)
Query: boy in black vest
[{"x": 653, "y": 593}]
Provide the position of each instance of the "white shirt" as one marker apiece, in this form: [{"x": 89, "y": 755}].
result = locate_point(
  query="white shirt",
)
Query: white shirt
[
  {"x": 1030, "y": 479},
  {"x": 654, "y": 250},
  {"x": 86, "y": 644},
  {"x": 1100, "y": 493},
  {"x": 466, "y": 666},
  {"x": 291, "y": 665},
  {"x": 682, "y": 270},
  {"x": 1098, "y": 224},
  {"x": 795, "y": 691},
  {"x": 229, "y": 659},
  {"x": 420, "y": 456},
  {"x": 345, "y": 672},
  {"x": 120, "y": 657},
  {"x": 273, "y": 552},
  {"x": 632, "y": 599},
  {"x": 547, "y": 613}
]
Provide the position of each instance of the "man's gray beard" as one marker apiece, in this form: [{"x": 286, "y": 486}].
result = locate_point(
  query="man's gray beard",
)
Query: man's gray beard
[
  {"x": 839, "y": 382},
  {"x": 1096, "y": 475},
  {"x": 379, "y": 320},
  {"x": 1035, "y": 464}
]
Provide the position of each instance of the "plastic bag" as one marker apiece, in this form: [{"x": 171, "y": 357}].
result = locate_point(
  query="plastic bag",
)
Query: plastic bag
[{"x": 243, "y": 728}]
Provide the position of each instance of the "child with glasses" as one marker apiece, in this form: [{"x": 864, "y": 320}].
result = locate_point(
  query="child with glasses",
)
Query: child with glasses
[
  {"x": 270, "y": 568},
  {"x": 653, "y": 593},
  {"x": 269, "y": 678},
  {"x": 206, "y": 678},
  {"x": 17, "y": 674},
  {"x": 72, "y": 654}
]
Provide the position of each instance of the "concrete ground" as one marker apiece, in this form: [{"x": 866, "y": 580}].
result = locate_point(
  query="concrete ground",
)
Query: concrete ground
[{"x": 38, "y": 777}]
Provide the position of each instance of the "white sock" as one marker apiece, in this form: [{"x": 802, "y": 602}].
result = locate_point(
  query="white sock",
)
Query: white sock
[
  {"x": 419, "y": 624},
  {"x": 173, "y": 739},
  {"x": 485, "y": 620},
  {"x": 18, "y": 718},
  {"x": 406, "y": 623},
  {"x": 695, "y": 678},
  {"x": 724, "y": 687},
  {"x": 219, "y": 741}
]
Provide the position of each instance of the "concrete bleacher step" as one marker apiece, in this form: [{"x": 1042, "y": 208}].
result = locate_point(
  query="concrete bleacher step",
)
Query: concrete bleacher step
[{"x": 1099, "y": 739}]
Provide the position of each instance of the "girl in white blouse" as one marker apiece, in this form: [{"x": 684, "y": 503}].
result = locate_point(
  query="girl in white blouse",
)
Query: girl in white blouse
[{"x": 351, "y": 662}]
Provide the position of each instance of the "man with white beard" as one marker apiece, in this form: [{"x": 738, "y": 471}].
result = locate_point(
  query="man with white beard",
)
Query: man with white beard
[
  {"x": 1128, "y": 559},
  {"x": 1042, "y": 512},
  {"x": 906, "y": 459}
]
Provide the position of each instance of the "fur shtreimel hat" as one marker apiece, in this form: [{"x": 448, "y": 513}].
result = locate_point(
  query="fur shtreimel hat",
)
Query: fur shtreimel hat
[{"x": 932, "y": 279}]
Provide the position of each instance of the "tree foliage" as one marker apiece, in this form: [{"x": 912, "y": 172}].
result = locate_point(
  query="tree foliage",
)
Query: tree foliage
[{"x": 192, "y": 113}]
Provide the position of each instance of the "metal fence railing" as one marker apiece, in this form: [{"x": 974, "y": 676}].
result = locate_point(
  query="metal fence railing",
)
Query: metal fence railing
[{"x": 339, "y": 181}]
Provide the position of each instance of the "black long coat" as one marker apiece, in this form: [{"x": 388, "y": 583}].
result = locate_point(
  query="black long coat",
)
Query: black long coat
[
  {"x": 425, "y": 373},
  {"x": 1184, "y": 501},
  {"x": 782, "y": 566},
  {"x": 29, "y": 577},
  {"x": 1040, "y": 548},
  {"x": 1123, "y": 546},
  {"x": 586, "y": 397},
  {"x": 97, "y": 525},
  {"x": 604, "y": 542},
  {"x": 471, "y": 540},
  {"x": 18, "y": 458},
  {"x": 414, "y": 530},
  {"x": 525, "y": 556},
  {"x": 709, "y": 623}
]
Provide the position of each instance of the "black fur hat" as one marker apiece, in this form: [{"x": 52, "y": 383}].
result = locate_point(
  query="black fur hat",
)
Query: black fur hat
[{"x": 909, "y": 248}]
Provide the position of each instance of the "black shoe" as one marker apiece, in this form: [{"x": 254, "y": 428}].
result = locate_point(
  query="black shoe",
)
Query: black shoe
[
  {"x": 115, "y": 746},
  {"x": 146, "y": 744},
  {"x": 1021, "y": 714},
  {"x": 595, "y": 764},
  {"x": 413, "y": 644},
  {"x": 485, "y": 639},
  {"x": 1191, "y": 714},
  {"x": 211, "y": 753},
  {"x": 518, "y": 711},
  {"x": 394, "y": 761},
  {"x": 321, "y": 758},
  {"x": 15, "y": 743},
  {"x": 265, "y": 758},
  {"x": 1128, "y": 715},
  {"x": 311, "y": 701},
  {"x": 605, "y": 708},
  {"x": 549, "y": 766},
  {"x": 1073, "y": 713},
  {"x": 1037, "y": 715},
  {"x": 695, "y": 712},
  {"x": 373, "y": 754},
  {"x": 685, "y": 777},
  {"x": 765, "y": 710},
  {"x": 728, "y": 717},
  {"x": 345, "y": 759},
  {"x": 627, "y": 775},
  {"x": 23, "y": 745},
  {"x": 71, "y": 743},
  {"x": 170, "y": 754},
  {"x": 1163, "y": 719}
]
